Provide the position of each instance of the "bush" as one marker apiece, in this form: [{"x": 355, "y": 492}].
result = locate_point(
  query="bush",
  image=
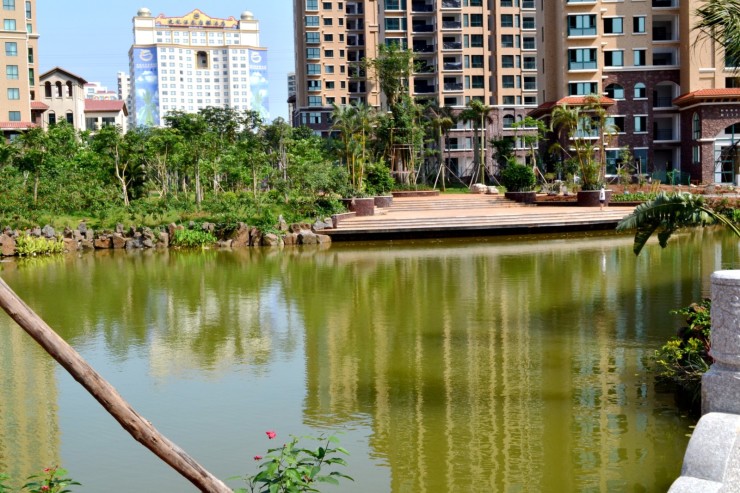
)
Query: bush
[
  {"x": 30, "y": 246},
  {"x": 685, "y": 358},
  {"x": 518, "y": 178},
  {"x": 379, "y": 180},
  {"x": 193, "y": 238}
]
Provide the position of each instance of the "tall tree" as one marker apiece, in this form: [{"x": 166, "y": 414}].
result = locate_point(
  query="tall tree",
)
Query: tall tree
[
  {"x": 391, "y": 69},
  {"x": 719, "y": 20},
  {"x": 124, "y": 153},
  {"x": 442, "y": 119},
  {"x": 479, "y": 114},
  {"x": 199, "y": 139},
  {"x": 34, "y": 144}
]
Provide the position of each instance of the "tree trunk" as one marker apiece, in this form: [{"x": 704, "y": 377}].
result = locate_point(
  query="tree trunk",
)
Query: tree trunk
[
  {"x": 139, "y": 428},
  {"x": 36, "y": 187},
  {"x": 198, "y": 190}
]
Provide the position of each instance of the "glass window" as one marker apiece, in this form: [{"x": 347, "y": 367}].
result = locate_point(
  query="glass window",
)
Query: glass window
[
  {"x": 614, "y": 25},
  {"x": 639, "y": 57},
  {"x": 312, "y": 4},
  {"x": 641, "y": 124},
  {"x": 8, "y": 4},
  {"x": 582, "y": 25},
  {"x": 11, "y": 48},
  {"x": 638, "y": 24},
  {"x": 9, "y": 24},
  {"x": 615, "y": 91},
  {"x": 582, "y": 59},
  {"x": 314, "y": 100},
  {"x": 11, "y": 72},
  {"x": 14, "y": 116},
  {"x": 14, "y": 93},
  {"x": 640, "y": 91},
  {"x": 614, "y": 58},
  {"x": 312, "y": 37},
  {"x": 696, "y": 126},
  {"x": 312, "y": 21}
]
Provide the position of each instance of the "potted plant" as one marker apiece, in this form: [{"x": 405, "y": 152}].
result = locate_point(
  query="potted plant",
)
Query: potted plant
[
  {"x": 584, "y": 132},
  {"x": 519, "y": 181}
]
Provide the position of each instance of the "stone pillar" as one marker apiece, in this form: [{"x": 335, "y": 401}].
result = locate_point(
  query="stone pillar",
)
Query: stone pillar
[{"x": 720, "y": 389}]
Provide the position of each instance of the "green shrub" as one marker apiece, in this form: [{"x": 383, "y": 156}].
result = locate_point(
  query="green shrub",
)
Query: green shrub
[
  {"x": 379, "y": 180},
  {"x": 518, "y": 178},
  {"x": 633, "y": 197},
  {"x": 685, "y": 358},
  {"x": 30, "y": 246},
  {"x": 193, "y": 238}
]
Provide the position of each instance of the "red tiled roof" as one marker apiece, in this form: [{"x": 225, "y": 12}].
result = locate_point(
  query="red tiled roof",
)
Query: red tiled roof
[
  {"x": 38, "y": 105},
  {"x": 703, "y": 94},
  {"x": 16, "y": 125},
  {"x": 105, "y": 105}
]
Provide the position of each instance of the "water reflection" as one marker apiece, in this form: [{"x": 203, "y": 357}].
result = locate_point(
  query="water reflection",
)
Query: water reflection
[{"x": 491, "y": 365}]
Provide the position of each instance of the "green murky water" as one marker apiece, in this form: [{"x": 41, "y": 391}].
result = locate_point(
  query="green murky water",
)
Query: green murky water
[{"x": 491, "y": 365}]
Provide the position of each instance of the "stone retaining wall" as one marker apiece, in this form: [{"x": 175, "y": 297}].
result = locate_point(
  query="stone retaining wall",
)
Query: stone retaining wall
[
  {"x": 712, "y": 461},
  {"x": 84, "y": 238}
]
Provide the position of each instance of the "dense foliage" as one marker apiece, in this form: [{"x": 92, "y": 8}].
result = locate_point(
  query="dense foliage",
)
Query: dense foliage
[
  {"x": 518, "y": 178},
  {"x": 685, "y": 358},
  {"x": 219, "y": 165}
]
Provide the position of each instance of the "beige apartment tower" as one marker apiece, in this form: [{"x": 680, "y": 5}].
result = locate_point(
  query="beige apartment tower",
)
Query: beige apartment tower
[
  {"x": 464, "y": 50},
  {"x": 20, "y": 66},
  {"x": 674, "y": 99}
]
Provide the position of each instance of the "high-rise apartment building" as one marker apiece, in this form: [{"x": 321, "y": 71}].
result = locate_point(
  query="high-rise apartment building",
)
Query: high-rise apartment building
[
  {"x": 191, "y": 62},
  {"x": 673, "y": 100},
  {"x": 464, "y": 50},
  {"x": 19, "y": 58}
]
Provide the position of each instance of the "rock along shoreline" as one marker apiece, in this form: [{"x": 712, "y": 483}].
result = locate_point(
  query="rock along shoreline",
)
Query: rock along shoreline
[{"x": 84, "y": 238}]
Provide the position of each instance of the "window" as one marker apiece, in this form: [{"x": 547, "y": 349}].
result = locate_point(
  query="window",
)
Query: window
[
  {"x": 528, "y": 43},
  {"x": 201, "y": 60},
  {"x": 582, "y": 25},
  {"x": 11, "y": 48},
  {"x": 477, "y": 82},
  {"x": 8, "y": 4},
  {"x": 9, "y": 24},
  {"x": 476, "y": 41},
  {"x": 640, "y": 124},
  {"x": 696, "y": 154},
  {"x": 14, "y": 116},
  {"x": 52, "y": 118},
  {"x": 696, "y": 126},
  {"x": 507, "y": 61},
  {"x": 530, "y": 63},
  {"x": 14, "y": 93},
  {"x": 395, "y": 24},
  {"x": 615, "y": 91},
  {"x": 70, "y": 118},
  {"x": 328, "y": 21},
  {"x": 508, "y": 100},
  {"x": 507, "y": 20},
  {"x": 507, "y": 81},
  {"x": 614, "y": 58},
  {"x": 314, "y": 100},
  {"x": 616, "y": 123},
  {"x": 640, "y": 91},
  {"x": 312, "y": 37},
  {"x": 527, "y": 23},
  {"x": 507, "y": 41},
  {"x": 329, "y": 69},
  {"x": 312, "y": 21},
  {"x": 582, "y": 88},
  {"x": 11, "y": 72},
  {"x": 613, "y": 25},
  {"x": 312, "y": 4},
  {"x": 476, "y": 61},
  {"x": 330, "y": 37},
  {"x": 395, "y": 4},
  {"x": 639, "y": 57},
  {"x": 508, "y": 121},
  {"x": 638, "y": 24},
  {"x": 476, "y": 20},
  {"x": 582, "y": 59},
  {"x": 313, "y": 69},
  {"x": 313, "y": 84},
  {"x": 530, "y": 83},
  {"x": 28, "y": 10},
  {"x": 312, "y": 53}
]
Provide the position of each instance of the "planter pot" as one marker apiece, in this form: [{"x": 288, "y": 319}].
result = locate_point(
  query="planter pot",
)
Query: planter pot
[
  {"x": 416, "y": 193},
  {"x": 384, "y": 201},
  {"x": 361, "y": 206},
  {"x": 590, "y": 198},
  {"x": 522, "y": 197}
]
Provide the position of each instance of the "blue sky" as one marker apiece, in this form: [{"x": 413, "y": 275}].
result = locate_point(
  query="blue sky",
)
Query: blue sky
[{"x": 91, "y": 38}]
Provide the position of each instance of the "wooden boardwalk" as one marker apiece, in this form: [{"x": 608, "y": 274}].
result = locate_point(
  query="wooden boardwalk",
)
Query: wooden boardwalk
[{"x": 472, "y": 215}]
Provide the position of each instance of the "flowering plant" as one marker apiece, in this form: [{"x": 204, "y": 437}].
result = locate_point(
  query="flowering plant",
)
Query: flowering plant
[
  {"x": 295, "y": 469},
  {"x": 52, "y": 480}
]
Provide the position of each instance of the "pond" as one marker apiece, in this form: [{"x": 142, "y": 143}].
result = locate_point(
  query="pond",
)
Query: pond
[{"x": 492, "y": 364}]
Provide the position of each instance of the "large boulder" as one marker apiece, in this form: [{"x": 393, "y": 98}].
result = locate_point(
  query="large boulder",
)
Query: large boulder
[
  {"x": 479, "y": 188},
  {"x": 71, "y": 245},
  {"x": 87, "y": 245},
  {"x": 323, "y": 239},
  {"x": 282, "y": 225},
  {"x": 102, "y": 242},
  {"x": 7, "y": 245},
  {"x": 118, "y": 241},
  {"x": 255, "y": 237},
  {"x": 241, "y": 236},
  {"x": 290, "y": 239},
  {"x": 307, "y": 238},
  {"x": 82, "y": 228},
  {"x": 164, "y": 240},
  {"x": 271, "y": 240}
]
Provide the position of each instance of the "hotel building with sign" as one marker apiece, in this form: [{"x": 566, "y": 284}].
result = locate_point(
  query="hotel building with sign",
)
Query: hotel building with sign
[{"x": 195, "y": 61}]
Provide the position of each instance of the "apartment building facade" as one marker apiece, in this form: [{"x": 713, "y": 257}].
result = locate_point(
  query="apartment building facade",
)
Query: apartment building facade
[
  {"x": 464, "y": 50},
  {"x": 668, "y": 93},
  {"x": 194, "y": 61},
  {"x": 20, "y": 66}
]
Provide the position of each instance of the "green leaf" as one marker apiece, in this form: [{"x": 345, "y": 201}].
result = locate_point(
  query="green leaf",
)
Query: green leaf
[{"x": 327, "y": 479}]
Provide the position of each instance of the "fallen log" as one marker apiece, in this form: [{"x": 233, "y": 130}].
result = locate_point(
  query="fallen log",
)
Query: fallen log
[{"x": 139, "y": 428}]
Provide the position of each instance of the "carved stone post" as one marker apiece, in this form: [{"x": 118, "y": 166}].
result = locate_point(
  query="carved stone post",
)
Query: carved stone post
[{"x": 721, "y": 384}]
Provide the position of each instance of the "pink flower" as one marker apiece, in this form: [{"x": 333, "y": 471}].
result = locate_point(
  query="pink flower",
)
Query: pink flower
[
  {"x": 44, "y": 488},
  {"x": 257, "y": 457},
  {"x": 271, "y": 434},
  {"x": 48, "y": 469}
]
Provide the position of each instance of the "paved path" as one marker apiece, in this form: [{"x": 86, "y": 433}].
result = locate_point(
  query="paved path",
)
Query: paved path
[{"x": 472, "y": 215}]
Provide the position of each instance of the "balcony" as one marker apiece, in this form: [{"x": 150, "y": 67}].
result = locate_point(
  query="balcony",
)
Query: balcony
[
  {"x": 589, "y": 65},
  {"x": 665, "y": 3},
  {"x": 453, "y": 86},
  {"x": 452, "y": 45},
  {"x": 663, "y": 134},
  {"x": 423, "y": 48},
  {"x": 665, "y": 57},
  {"x": 452, "y": 65},
  {"x": 664, "y": 29},
  {"x": 422, "y": 68},
  {"x": 422, "y": 8},
  {"x": 663, "y": 102},
  {"x": 422, "y": 28},
  {"x": 451, "y": 4},
  {"x": 354, "y": 9},
  {"x": 424, "y": 89},
  {"x": 451, "y": 24}
]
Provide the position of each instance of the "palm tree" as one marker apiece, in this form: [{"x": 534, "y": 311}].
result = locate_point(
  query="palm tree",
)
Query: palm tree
[
  {"x": 668, "y": 213},
  {"x": 719, "y": 20},
  {"x": 479, "y": 114},
  {"x": 442, "y": 119}
]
